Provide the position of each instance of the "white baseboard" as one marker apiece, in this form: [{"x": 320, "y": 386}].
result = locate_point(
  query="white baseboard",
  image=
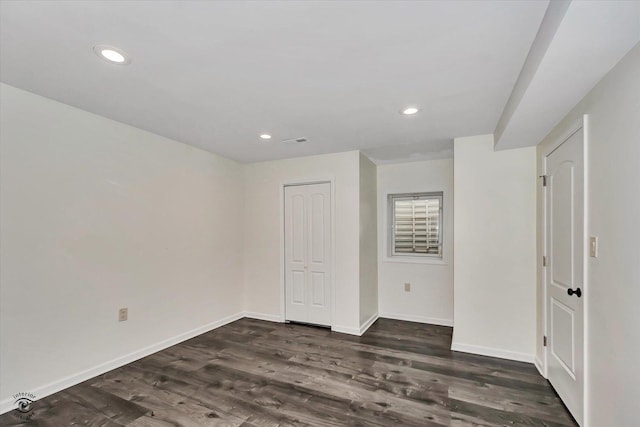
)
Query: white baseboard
[
  {"x": 418, "y": 319},
  {"x": 356, "y": 331},
  {"x": 342, "y": 329},
  {"x": 262, "y": 316},
  {"x": 366, "y": 325},
  {"x": 493, "y": 352},
  {"x": 43, "y": 391},
  {"x": 346, "y": 330},
  {"x": 539, "y": 366}
]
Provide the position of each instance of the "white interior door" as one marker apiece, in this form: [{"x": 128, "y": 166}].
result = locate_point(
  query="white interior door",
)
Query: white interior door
[
  {"x": 564, "y": 272},
  {"x": 308, "y": 253}
]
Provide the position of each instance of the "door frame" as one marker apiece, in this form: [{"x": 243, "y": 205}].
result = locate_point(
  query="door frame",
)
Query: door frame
[
  {"x": 579, "y": 124},
  {"x": 332, "y": 209}
]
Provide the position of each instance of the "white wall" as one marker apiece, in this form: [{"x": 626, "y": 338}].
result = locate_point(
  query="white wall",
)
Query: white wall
[
  {"x": 263, "y": 232},
  {"x": 368, "y": 243},
  {"x": 431, "y": 296},
  {"x": 612, "y": 291},
  {"x": 97, "y": 215},
  {"x": 495, "y": 241}
]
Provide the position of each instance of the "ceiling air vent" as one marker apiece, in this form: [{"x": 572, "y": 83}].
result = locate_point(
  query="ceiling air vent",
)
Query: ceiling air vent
[{"x": 295, "y": 141}]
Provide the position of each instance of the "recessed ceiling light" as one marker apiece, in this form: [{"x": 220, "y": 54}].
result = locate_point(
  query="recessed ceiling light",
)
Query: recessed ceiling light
[
  {"x": 112, "y": 54},
  {"x": 265, "y": 136},
  {"x": 408, "y": 111}
]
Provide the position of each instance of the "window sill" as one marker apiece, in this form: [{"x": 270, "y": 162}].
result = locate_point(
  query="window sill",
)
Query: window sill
[{"x": 414, "y": 260}]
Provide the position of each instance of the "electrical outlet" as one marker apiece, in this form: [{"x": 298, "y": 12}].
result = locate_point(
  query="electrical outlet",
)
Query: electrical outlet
[
  {"x": 407, "y": 287},
  {"x": 123, "y": 314}
]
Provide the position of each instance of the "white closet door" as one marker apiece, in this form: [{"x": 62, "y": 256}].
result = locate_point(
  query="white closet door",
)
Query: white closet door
[
  {"x": 564, "y": 272},
  {"x": 308, "y": 253}
]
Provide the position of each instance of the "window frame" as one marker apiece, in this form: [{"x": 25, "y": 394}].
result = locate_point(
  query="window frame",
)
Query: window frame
[{"x": 391, "y": 232}]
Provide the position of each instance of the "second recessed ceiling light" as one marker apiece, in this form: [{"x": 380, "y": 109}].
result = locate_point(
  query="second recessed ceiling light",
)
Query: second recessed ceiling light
[
  {"x": 112, "y": 54},
  {"x": 409, "y": 111}
]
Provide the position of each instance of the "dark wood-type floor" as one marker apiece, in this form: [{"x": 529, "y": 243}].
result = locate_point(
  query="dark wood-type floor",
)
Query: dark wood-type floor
[{"x": 255, "y": 373}]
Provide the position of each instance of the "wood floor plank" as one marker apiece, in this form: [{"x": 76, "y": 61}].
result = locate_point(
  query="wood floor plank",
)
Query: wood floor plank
[
  {"x": 456, "y": 361},
  {"x": 223, "y": 383},
  {"x": 173, "y": 407},
  {"x": 111, "y": 406},
  {"x": 252, "y": 373}
]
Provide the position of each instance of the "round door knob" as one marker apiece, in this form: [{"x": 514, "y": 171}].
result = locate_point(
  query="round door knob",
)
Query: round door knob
[{"x": 578, "y": 292}]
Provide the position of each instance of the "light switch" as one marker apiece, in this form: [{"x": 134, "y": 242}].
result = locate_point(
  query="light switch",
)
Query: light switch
[{"x": 593, "y": 247}]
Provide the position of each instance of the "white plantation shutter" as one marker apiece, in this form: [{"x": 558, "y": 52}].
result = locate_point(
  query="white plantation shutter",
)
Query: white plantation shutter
[{"x": 416, "y": 224}]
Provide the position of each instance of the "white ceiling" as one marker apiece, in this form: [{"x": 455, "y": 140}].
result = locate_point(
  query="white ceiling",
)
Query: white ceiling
[
  {"x": 584, "y": 40},
  {"x": 217, "y": 74}
]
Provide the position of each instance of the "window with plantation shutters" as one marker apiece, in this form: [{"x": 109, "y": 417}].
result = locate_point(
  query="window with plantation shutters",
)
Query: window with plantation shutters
[{"x": 416, "y": 227}]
